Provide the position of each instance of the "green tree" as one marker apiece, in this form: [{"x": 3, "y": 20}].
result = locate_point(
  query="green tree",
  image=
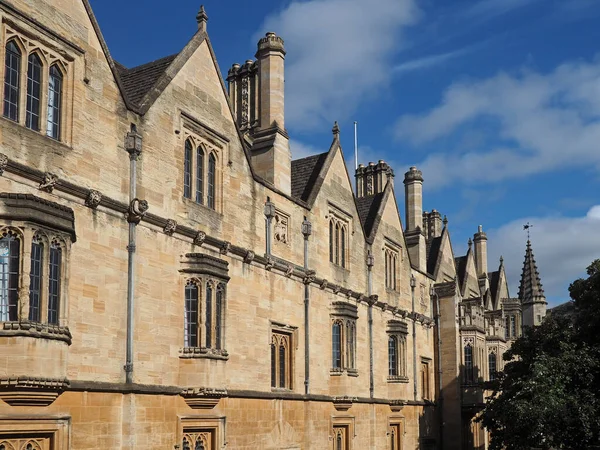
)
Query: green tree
[{"x": 548, "y": 395}]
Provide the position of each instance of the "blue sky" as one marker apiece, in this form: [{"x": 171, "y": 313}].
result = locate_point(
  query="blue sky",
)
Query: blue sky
[{"x": 497, "y": 101}]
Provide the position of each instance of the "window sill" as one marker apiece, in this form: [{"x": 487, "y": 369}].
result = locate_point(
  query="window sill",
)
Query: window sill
[
  {"x": 33, "y": 132},
  {"x": 203, "y": 352},
  {"x": 281, "y": 389},
  {"x": 36, "y": 330},
  {"x": 352, "y": 372},
  {"x": 199, "y": 206},
  {"x": 340, "y": 372},
  {"x": 397, "y": 379},
  {"x": 339, "y": 267}
]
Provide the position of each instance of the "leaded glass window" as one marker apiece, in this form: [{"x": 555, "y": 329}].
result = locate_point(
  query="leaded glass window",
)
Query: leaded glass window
[
  {"x": 12, "y": 75},
  {"x": 212, "y": 166},
  {"x": 187, "y": 170},
  {"x": 336, "y": 346},
  {"x": 34, "y": 91},
  {"x": 35, "y": 280},
  {"x": 55, "y": 86},
  {"x": 209, "y": 315},
  {"x": 191, "y": 315},
  {"x": 392, "y": 356},
  {"x": 468, "y": 363},
  {"x": 492, "y": 362},
  {"x": 200, "y": 176},
  {"x": 54, "y": 283},
  {"x": 218, "y": 315},
  {"x": 9, "y": 276}
]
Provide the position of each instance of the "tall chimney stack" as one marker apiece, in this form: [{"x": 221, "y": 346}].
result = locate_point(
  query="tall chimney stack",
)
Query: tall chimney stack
[
  {"x": 271, "y": 56},
  {"x": 415, "y": 238},
  {"x": 480, "y": 240}
]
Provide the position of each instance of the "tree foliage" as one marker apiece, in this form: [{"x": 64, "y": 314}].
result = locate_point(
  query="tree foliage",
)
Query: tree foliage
[{"x": 548, "y": 395}]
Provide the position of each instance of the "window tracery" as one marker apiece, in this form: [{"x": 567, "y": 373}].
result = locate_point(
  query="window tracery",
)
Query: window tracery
[
  {"x": 204, "y": 178},
  {"x": 281, "y": 359},
  {"x": 397, "y": 356},
  {"x": 343, "y": 337},
  {"x": 338, "y": 241}
]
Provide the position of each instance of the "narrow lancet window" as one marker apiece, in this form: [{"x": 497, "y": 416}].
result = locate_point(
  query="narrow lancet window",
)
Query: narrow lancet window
[
  {"x": 187, "y": 170},
  {"x": 54, "y": 284},
  {"x": 12, "y": 74},
  {"x": 55, "y": 81},
  {"x": 212, "y": 165},
  {"x": 200, "y": 176},
  {"x": 9, "y": 277},
  {"x": 191, "y": 315},
  {"x": 35, "y": 280},
  {"x": 34, "y": 83}
]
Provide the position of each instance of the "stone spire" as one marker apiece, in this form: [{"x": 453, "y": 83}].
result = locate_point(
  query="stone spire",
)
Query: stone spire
[
  {"x": 531, "y": 293},
  {"x": 202, "y": 18}
]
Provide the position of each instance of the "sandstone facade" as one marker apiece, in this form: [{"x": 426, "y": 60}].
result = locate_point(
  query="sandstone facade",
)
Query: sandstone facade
[{"x": 171, "y": 279}]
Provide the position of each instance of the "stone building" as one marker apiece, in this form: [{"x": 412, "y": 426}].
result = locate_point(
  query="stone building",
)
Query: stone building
[{"x": 170, "y": 278}]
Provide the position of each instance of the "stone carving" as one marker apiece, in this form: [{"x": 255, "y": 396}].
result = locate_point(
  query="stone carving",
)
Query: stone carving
[
  {"x": 170, "y": 227},
  {"x": 270, "y": 263},
  {"x": 137, "y": 210},
  {"x": 370, "y": 185},
  {"x": 468, "y": 341},
  {"x": 281, "y": 228},
  {"x": 336, "y": 288},
  {"x": 48, "y": 183},
  {"x": 225, "y": 248},
  {"x": 324, "y": 284},
  {"x": 93, "y": 199},
  {"x": 245, "y": 116},
  {"x": 199, "y": 238},
  {"x": 309, "y": 277},
  {"x": 249, "y": 257},
  {"x": 3, "y": 163},
  {"x": 289, "y": 270}
]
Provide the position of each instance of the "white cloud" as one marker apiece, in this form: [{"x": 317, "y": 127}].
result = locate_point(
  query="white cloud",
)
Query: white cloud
[
  {"x": 302, "y": 150},
  {"x": 427, "y": 61},
  {"x": 542, "y": 122},
  {"x": 338, "y": 53},
  {"x": 487, "y": 9},
  {"x": 563, "y": 248}
]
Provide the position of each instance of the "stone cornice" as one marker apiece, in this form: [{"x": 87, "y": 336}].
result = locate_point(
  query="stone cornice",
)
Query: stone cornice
[
  {"x": 36, "y": 330},
  {"x": 269, "y": 262},
  {"x": 29, "y": 391}
]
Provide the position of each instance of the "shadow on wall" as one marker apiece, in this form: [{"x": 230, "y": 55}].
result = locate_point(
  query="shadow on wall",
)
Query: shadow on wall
[{"x": 428, "y": 429}]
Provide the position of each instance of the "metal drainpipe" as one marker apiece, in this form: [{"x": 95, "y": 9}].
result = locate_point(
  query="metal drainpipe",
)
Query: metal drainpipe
[
  {"x": 269, "y": 214},
  {"x": 413, "y": 285},
  {"x": 137, "y": 208},
  {"x": 438, "y": 316},
  {"x": 370, "y": 263},
  {"x": 306, "y": 231}
]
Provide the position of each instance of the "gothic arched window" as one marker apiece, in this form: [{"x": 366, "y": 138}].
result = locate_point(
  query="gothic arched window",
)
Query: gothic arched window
[
  {"x": 9, "y": 276},
  {"x": 187, "y": 170},
  {"x": 191, "y": 315},
  {"x": 336, "y": 345},
  {"x": 331, "y": 239},
  {"x": 12, "y": 75},
  {"x": 468, "y": 363},
  {"x": 212, "y": 166},
  {"x": 351, "y": 332},
  {"x": 218, "y": 315},
  {"x": 55, "y": 82},
  {"x": 209, "y": 315},
  {"x": 200, "y": 175},
  {"x": 34, "y": 92},
  {"x": 54, "y": 283},
  {"x": 393, "y": 356},
  {"x": 492, "y": 365},
  {"x": 35, "y": 279},
  {"x": 343, "y": 246}
]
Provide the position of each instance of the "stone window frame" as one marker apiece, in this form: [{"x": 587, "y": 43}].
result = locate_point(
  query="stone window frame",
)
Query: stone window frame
[
  {"x": 398, "y": 423},
  {"x": 28, "y": 217},
  {"x": 492, "y": 375},
  {"x": 202, "y": 137},
  {"x": 345, "y": 423},
  {"x": 50, "y": 55},
  {"x": 391, "y": 257},
  {"x": 468, "y": 375},
  {"x": 339, "y": 226},
  {"x": 54, "y": 428},
  {"x": 426, "y": 378},
  {"x": 399, "y": 331},
  {"x": 206, "y": 272},
  {"x": 345, "y": 316},
  {"x": 194, "y": 424},
  {"x": 288, "y": 335}
]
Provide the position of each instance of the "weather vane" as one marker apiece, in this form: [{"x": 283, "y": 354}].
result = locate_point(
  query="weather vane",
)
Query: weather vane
[{"x": 526, "y": 227}]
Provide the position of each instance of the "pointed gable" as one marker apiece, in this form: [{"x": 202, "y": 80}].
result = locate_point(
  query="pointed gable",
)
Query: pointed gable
[{"x": 467, "y": 275}]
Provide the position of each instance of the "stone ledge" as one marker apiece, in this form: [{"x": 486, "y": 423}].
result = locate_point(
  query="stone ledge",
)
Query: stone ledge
[
  {"x": 36, "y": 330},
  {"x": 26, "y": 391},
  {"x": 203, "y": 352},
  {"x": 397, "y": 379},
  {"x": 203, "y": 398}
]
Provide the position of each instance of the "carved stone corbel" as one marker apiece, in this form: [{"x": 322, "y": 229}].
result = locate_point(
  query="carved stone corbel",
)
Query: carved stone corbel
[
  {"x": 3, "y": 163},
  {"x": 225, "y": 248},
  {"x": 249, "y": 257},
  {"x": 48, "y": 183},
  {"x": 324, "y": 284},
  {"x": 289, "y": 270},
  {"x": 93, "y": 199},
  {"x": 203, "y": 398},
  {"x": 270, "y": 263},
  {"x": 199, "y": 238},
  {"x": 170, "y": 227},
  {"x": 137, "y": 210},
  {"x": 309, "y": 277}
]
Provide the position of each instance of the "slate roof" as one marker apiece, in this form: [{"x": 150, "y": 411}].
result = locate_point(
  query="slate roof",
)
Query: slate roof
[
  {"x": 305, "y": 172},
  {"x": 368, "y": 207},
  {"x": 461, "y": 268},
  {"x": 433, "y": 251},
  {"x": 139, "y": 80},
  {"x": 494, "y": 278}
]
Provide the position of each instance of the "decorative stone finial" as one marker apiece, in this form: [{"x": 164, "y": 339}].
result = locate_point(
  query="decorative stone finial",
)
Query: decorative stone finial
[
  {"x": 336, "y": 129},
  {"x": 470, "y": 243},
  {"x": 501, "y": 260},
  {"x": 445, "y": 221},
  {"x": 202, "y": 18}
]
